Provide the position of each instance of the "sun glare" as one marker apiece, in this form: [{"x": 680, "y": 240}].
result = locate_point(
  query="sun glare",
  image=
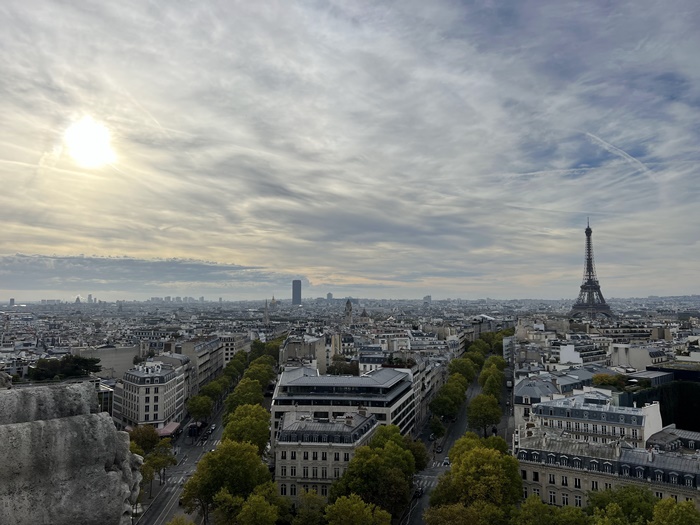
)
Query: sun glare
[{"x": 88, "y": 143}]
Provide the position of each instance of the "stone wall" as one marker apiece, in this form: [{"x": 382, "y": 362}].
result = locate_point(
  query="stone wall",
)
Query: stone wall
[{"x": 61, "y": 462}]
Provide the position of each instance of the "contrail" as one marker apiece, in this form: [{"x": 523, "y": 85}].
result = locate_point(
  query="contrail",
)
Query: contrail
[{"x": 621, "y": 153}]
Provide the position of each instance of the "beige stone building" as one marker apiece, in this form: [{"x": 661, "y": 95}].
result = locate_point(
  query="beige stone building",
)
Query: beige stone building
[{"x": 311, "y": 453}]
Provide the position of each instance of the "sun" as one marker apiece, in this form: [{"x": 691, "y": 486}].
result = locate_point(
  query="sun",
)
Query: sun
[{"x": 88, "y": 143}]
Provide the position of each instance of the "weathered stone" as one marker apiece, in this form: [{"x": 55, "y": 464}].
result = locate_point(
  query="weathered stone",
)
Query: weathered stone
[{"x": 63, "y": 468}]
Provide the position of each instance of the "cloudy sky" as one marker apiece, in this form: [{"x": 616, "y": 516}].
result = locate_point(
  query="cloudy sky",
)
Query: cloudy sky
[{"x": 373, "y": 149}]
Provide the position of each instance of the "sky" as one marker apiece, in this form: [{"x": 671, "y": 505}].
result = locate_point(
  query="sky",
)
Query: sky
[{"x": 371, "y": 149}]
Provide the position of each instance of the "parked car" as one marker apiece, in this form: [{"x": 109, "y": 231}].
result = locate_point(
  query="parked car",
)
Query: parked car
[
  {"x": 438, "y": 449},
  {"x": 212, "y": 428}
]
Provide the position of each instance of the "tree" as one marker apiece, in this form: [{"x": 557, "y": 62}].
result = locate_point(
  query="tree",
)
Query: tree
[
  {"x": 496, "y": 361},
  {"x": 310, "y": 509},
  {"x": 484, "y": 412},
  {"x": 212, "y": 390},
  {"x": 419, "y": 452},
  {"x": 668, "y": 512},
  {"x": 380, "y": 476},
  {"x": 233, "y": 466},
  {"x": 612, "y": 514},
  {"x": 352, "y": 510},
  {"x": 161, "y": 457},
  {"x": 480, "y": 346},
  {"x": 475, "y": 357},
  {"x": 249, "y": 423},
  {"x": 493, "y": 387},
  {"x": 464, "y": 367},
  {"x": 200, "y": 407},
  {"x": 534, "y": 512},
  {"x": 436, "y": 427},
  {"x": 479, "y": 513},
  {"x": 443, "y": 405},
  {"x": 257, "y": 511},
  {"x": 260, "y": 372},
  {"x": 479, "y": 474},
  {"x": 145, "y": 437},
  {"x": 637, "y": 503},
  {"x": 247, "y": 392}
]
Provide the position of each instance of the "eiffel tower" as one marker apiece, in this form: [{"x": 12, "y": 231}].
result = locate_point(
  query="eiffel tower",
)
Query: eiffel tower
[{"x": 590, "y": 302}]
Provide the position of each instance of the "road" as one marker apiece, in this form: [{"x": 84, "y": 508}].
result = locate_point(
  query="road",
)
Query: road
[
  {"x": 428, "y": 478},
  {"x": 166, "y": 502}
]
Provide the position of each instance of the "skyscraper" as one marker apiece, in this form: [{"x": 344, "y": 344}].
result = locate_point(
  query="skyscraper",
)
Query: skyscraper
[{"x": 296, "y": 291}]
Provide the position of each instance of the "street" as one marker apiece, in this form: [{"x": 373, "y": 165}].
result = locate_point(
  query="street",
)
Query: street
[{"x": 428, "y": 478}]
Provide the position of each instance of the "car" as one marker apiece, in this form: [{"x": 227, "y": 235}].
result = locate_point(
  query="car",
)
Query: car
[
  {"x": 212, "y": 428},
  {"x": 432, "y": 437},
  {"x": 438, "y": 449},
  {"x": 418, "y": 492},
  {"x": 446, "y": 462}
]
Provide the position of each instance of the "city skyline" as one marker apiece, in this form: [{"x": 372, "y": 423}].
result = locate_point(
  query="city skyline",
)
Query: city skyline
[{"x": 393, "y": 150}]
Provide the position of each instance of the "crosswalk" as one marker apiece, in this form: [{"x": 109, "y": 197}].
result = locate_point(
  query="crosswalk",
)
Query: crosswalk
[
  {"x": 210, "y": 443},
  {"x": 426, "y": 482},
  {"x": 438, "y": 463}
]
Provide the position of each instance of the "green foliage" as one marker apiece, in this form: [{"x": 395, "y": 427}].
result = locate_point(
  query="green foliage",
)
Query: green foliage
[
  {"x": 247, "y": 392},
  {"x": 496, "y": 361},
  {"x": 233, "y": 466},
  {"x": 382, "y": 476},
  {"x": 261, "y": 372},
  {"x": 490, "y": 371},
  {"x": 465, "y": 367},
  {"x": 200, "y": 407},
  {"x": 493, "y": 387},
  {"x": 257, "y": 511},
  {"x": 341, "y": 366},
  {"x": 145, "y": 437},
  {"x": 249, "y": 423},
  {"x": 310, "y": 509},
  {"x": 213, "y": 390},
  {"x": 436, "y": 427},
  {"x": 479, "y": 346},
  {"x": 479, "y": 474},
  {"x": 636, "y": 503},
  {"x": 180, "y": 520},
  {"x": 67, "y": 366},
  {"x": 483, "y": 412},
  {"x": 443, "y": 406},
  {"x": 479, "y": 513},
  {"x": 352, "y": 510},
  {"x": 668, "y": 512},
  {"x": 475, "y": 357},
  {"x": 386, "y": 433},
  {"x": 496, "y": 443}
]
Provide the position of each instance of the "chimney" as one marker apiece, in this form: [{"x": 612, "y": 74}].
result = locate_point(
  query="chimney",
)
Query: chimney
[{"x": 348, "y": 419}]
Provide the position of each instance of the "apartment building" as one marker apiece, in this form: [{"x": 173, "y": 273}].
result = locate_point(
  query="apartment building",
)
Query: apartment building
[
  {"x": 207, "y": 354},
  {"x": 232, "y": 344},
  {"x": 147, "y": 395},
  {"x": 311, "y": 453},
  {"x": 562, "y": 471}
]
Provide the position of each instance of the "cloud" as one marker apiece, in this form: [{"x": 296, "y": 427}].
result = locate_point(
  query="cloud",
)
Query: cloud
[{"x": 405, "y": 148}]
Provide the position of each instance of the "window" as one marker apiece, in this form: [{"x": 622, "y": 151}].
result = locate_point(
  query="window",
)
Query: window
[
  {"x": 608, "y": 486},
  {"x": 283, "y": 471},
  {"x": 535, "y": 476},
  {"x": 336, "y": 456},
  {"x": 593, "y": 465},
  {"x": 155, "y": 408},
  {"x": 634, "y": 433},
  {"x": 551, "y": 479},
  {"x": 688, "y": 480},
  {"x": 552, "y": 497},
  {"x": 324, "y": 472},
  {"x": 524, "y": 492},
  {"x": 292, "y": 490},
  {"x": 148, "y": 390},
  {"x": 146, "y": 417},
  {"x": 604, "y": 430},
  {"x": 314, "y": 456},
  {"x": 550, "y": 459},
  {"x": 294, "y": 454},
  {"x": 594, "y": 485},
  {"x": 336, "y": 472},
  {"x": 523, "y": 474},
  {"x": 577, "y": 483},
  {"x": 607, "y": 467},
  {"x": 346, "y": 456},
  {"x": 147, "y": 409},
  {"x": 691, "y": 444},
  {"x": 577, "y": 426},
  {"x": 293, "y": 471},
  {"x": 577, "y": 501},
  {"x": 536, "y": 492},
  {"x": 305, "y": 472},
  {"x": 564, "y": 499},
  {"x": 564, "y": 481},
  {"x": 306, "y": 456},
  {"x": 568, "y": 425},
  {"x": 324, "y": 456},
  {"x": 155, "y": 399},
  {"x": 640, "y": 472},
  {"x": 314, "y": 472},
  {"x": 283, "y": 454},
  {"x": 324, "y": 490},
  {"x": 283, "y": 489},
  {"x": 564, "y": 461},
  {"x": 659, "y": 495},
  {"x": 148, "y": 399},
  {"x": 577, "y": 463},
  {"x": 673, "y": 477},
  {"x": 659, "y": 476}
]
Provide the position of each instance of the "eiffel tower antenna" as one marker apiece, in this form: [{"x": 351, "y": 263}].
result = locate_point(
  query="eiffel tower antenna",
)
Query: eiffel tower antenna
[{"x": 590, "y": 302}]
